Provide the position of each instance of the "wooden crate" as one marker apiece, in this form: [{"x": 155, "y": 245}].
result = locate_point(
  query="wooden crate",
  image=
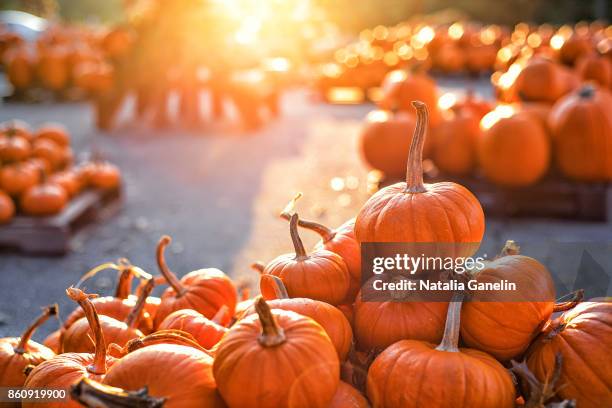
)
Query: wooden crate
[{"x": 53, "y": 235}]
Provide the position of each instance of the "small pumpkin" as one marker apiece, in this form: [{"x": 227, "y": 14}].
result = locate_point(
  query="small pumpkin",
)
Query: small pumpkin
[
  {"x": 16, "y": 127},
  {"x": 348, "y": 397},
  {"x": 16, "y": 178},
  {"x": 101, "y": 174},
  {"x": 13, "y": 147},
  {"x": 595, "y": 68},
  {"x": 19, "y": 65},
  {"x": 455, "y": 138},
  {"x": 7, "y": 208},
  {"x": 413, "y": 373},
  {"x": 54, "y": 341},
  {"x": 504, "y": 325},
  {"x": 44, "y": 199},
  {"x": 514, "y": 149},
  {"x": 52, "y": 67},
  {"x": 69, "y": 181},
  {"x": 205, "y": 290},
  {"x": 206, "y": 332},
  {"x": 540, "y": 80},
  {"x": 575, "y": 47},
  {"x": 581, "y": 127},
  {"x": 54, "y": 132},
  {"x": 16, "y": 353},
  {"x": 329, "y": 317},
  {"x": 582, "y": 336},
  {"x": 292, "y": 353},
  {"x": 50, "y": 151},
  {"x": 320, "y": 275}
]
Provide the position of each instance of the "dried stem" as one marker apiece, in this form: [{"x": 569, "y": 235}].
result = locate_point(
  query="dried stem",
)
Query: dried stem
[
  {"x": 271, "y": 334},
  {"x": 163, "y": 337},
  {"x": 327, "y": 234},
  {"x": 258, "y": 266},
  {"x": 300, "y": 252},
  {"x": 414, "y": 171},
  {"x": 163, "y": 266},
  {"x": 23, "y": 347},
  {"x": 133, "y": 319},
  {"x": 576, "y": 298},
  {"x": 510, "y": 248},
  {"x": 450, "y": 341},
  {"x": 93, "y": 394}
]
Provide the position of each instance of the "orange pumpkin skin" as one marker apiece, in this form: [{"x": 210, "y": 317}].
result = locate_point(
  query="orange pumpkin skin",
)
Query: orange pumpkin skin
[
  {"x": 55, "y": 132},
  {"x": 14, "y": 148},
  {"x": 538, "y": 110},
  {"x": 348, "y": 397},
  {"x": 113, "y": 307},
  {"x": 575, "y": 47},
  {"x": 19, "y": 67},
  {"x": 48, "y": 150},
  {"x": 103, "y": 175},
  {"x": 52, "y": 341},
  {"x": 541, "y": 80},
  {"x": 44, "y": 200},
  {"x": 511, "y": 325},
  {"x": 53, "y": 69},
  {"x": 181, "y": 374},
  {"x": 69, "y": 181},
  {"x": 515, "y": 151},
  {"x": 17, "y": 178},
  {"x": 294, "y": 355},
  {"x": 455, "y": 149},
  {"x": 581, "y": 126},
  {"x": 582, "y": 336},
  {"x": 595, "y": 68},
  {"x": 206, "y": 332},
  {"x": 450, "y": 58},
  {"x": 77, "y": 337},
  {"x": 7, "y": 208},
  {"x": 385, "y": 140}
]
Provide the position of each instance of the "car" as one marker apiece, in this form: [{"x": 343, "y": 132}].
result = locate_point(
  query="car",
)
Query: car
[{"x": 26, "y": 25}]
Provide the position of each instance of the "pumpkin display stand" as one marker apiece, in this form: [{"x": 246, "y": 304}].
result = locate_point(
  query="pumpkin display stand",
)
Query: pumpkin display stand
[
  {"x": 551, "y": 197},
  {"x": 53, "y": 235}
]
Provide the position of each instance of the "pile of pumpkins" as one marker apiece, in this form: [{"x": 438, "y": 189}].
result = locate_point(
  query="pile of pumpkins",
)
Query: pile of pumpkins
[
  {"x": 310, "y": 340},
  {"x": 37, "y": 175},
  {"x": 558, "y": 118},
  {"x": 63, "y": 58}
]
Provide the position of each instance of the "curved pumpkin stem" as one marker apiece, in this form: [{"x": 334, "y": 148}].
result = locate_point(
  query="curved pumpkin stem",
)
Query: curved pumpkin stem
[
  {"x": 133, "y": 319},
  {"x": 94, "y": 271},
  {"x": 536, "y": 393},
  {"x": 414, "y": 171},
  {"x": 22, "y": 347},
  {"x": 577, "y": 297},
  {"x": 124, "y": 285},
  {"x": 91, "y": 393},
  {"x": 271, "y": 333},
  {"x": 450, "y": 341},
  {"x": 510, "y": 248},
  {"x": 163, "y": 266},
  {"x": 327, "y": 234},
  {"x": 258, "y": 266},
  {"x": 163, "y": 337},
  {"x": 279, "y": 287},
  {"x": 298, "y": 245},
  {"x": 99, "y": 364}
]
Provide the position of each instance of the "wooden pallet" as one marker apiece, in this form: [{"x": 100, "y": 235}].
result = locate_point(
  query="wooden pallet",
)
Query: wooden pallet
[
  {"x": 553, "y": 197},
  {"x": 53, "y": 235}
]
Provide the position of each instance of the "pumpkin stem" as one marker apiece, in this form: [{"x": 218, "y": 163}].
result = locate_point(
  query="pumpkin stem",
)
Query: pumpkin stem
[
  {"x": 94, "y": 271},
  {"x": 133, "y": 319},
  {"x": 23, "y": 347},
  {"x": 327, "y": 234},
  {"x": 91, "y": 393},
  {"x": 576, "y": 298},
  {"x": 163, "y": 337},
  {"x": 587, "y": 91},
  {"x": 258, "y": 266},
  {"x": 163, "y": 267},
  {"x": 298, "y": 245},
  {"x": 271, "y": 334},
  {"x": 99, "y": 363},
  {"x": 510, "y": 248},
  {"x": 450, "y": 341},
  {"x": 124, "y": 284},
  {"x": 536, "y": 393},
  {"x": 280, "y": 290},
  {"x": 220, "y": 315},
  {"x": 414, "y": 171},
  {"x": 245, "y": 294}
]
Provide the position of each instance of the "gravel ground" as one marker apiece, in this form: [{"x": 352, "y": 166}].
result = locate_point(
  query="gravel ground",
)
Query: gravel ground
[{"x": 217, "y": 192}]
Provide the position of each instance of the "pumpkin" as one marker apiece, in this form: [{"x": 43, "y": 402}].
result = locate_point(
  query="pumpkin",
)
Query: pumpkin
[
  {"x": 581, "y": 127},
  {"x": 77, "y": 338},
  {"x": 64, "y": 370},
  {"x": 540, "y": 80},
  {"x": 7, "y": 208},
  {"x": 400, "y": 88},
  {"x": 19, "y": 67},
  {"x": 413, "y": 373},
  {"x": 385, "y": 139},
  {"x": 348, "y": 397},
  {"x": 16, "y": 178},
  {"x": 50, "y": 151},
  {"x": 320, "y": 275},
  {"x": 340, "y": 241},
  {"x": 538, "y": 110},
  {"x": 52, "y": 67},
  {"x": 16, "y": 353},
  {"x": 69, "y": 181},
  {"x": 595, "y": 68},
  {"x": 16, "y": 127},
  {"x": 205, "y": 290},
  {"x": 206, "y": 332},
  {"x": 44, "y": 199},
  {"x": 290, "y": 352},
  {"x": 471, "y": 104},
  {"x": 329, "y": 317},
  {"x": 13, "y": 147},
  {"x": 54, "y": 132},
  {"x": 582, "y": 336},
  {"x": 502, "y": 324},
  {"x": 117, "y": 42},
  {"x": 480, "y": 58},
  {"x": 437, "y": 212},
  {"x": 576, "y": 46},
  {"x": 450, "y": 59},
  {"x": 455, "y": 138},
  {"x": 93, "y": 394},
  {"x": 54, "y": 341},
  {"x": 101, "y": 174},
  {"x": 513, "y": 150}
]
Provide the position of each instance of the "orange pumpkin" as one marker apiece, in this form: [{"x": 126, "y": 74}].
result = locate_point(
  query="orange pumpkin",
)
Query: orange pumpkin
[
  {"x": 94, "y": 77},
  {"x": 291, "y": 352},
  {"x": 206, "y": 332},
  {"x": 455, "y": 149},
  {"x": 16, "y": 353},
  {"x": 348, "y": 397},
  {"x": 101, "y": 174},
  {"x": 450, "y": 59},
  {"x": 320, "y": 275},
  {"x": 595, "y": 68},
  {"x": 205, "y": 290},
  {"x": 413, "y": 373},
  {"x": 54, "y": 341},
  {"x": 16, "y": 127},
  {"x": 582, "y": 336},
  {"x": 50, "y": 151},
  {"x": 19, "y": 67},
  {"x": 513, "y": 150},
  {"x": 52, "y": 67},
  {"x": 15, "y": 179},
  {"x": 504, "y": 325},
  {"x": 44, "y": 199},
  {"x": 581, "y": 126},
  {"x": 7, "y": 208},
  {"x": 13, "y": 147},
  {"x": 54, "y": 132},
  {"x": 540, "y": 80},
  {"x": 576, "y": 46},
  {"x": 69, "y": 181},
  {"x": 480, "y": 58},
  {"x": 117, "y": 42}
]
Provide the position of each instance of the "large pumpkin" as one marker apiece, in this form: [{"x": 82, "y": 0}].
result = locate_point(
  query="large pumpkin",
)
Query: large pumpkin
[
  {"x": 412, "y": 374},
  {"x": 583, "y": 337},
  {"x": 581, "y": 126},
  {"x": 291, "y": 354},
  {"x": 501, "y": 324},
  {"x": 513, "y": 149},
  {"x": 348, "y": 397}
]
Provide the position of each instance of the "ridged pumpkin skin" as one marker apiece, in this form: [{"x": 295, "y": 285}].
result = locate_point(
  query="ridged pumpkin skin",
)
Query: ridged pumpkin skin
[
  {"x": 348, "y": 397},
  {"x": 515, "y": 151},
  {"x": 77, "y": 337},
  {"x": 581, "y": 126},
  {"x": 113, "y": 307},
  {"x": 583, "y": 336},
  {"x": 506, "y": 327},
  {"x": 455, "y": 149},
  {"x": 206, "y": 332},
  {"x": 181, "y": 374},
  {"x": 297, "y": 367}
]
